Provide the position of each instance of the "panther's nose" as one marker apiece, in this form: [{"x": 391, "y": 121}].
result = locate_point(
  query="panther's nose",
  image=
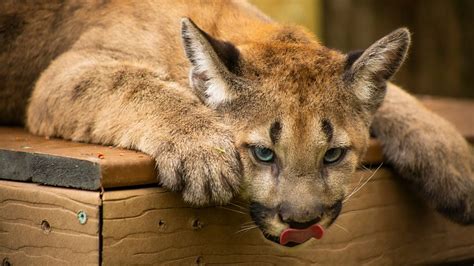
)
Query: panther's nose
[{"x": 298, "y": 218}]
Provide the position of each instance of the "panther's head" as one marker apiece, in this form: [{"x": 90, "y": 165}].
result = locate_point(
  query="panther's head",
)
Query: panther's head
[{"x": 301, "y": 114}]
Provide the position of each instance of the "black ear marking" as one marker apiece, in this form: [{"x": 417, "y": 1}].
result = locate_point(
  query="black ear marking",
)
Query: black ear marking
[
  {"x": 225, "y": 51},
  {"x": 351, "y": 57}
]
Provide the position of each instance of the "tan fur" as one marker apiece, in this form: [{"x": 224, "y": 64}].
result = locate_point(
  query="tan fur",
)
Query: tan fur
[{"x": 114, "y": 72}]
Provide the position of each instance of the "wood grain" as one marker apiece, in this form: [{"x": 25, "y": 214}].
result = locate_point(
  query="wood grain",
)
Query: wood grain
[
  {"x": 27, "y": 209},
  {"x": 384, "y": 224}
]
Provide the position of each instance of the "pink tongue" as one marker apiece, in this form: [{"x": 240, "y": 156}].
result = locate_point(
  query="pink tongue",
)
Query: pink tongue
[{"x": 301, "y": 235}]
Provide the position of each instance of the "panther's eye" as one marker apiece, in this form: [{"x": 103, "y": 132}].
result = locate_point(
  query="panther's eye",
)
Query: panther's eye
[
  {"x": 334, "y": 155},
  {"x": 263, "y": 154}
]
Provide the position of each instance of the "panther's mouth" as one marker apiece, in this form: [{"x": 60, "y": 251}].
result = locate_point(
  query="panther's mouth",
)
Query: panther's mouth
[
  {"x": 298, "y": 236},
  {"x": 291, "y": 237},
  {"x": 292, "y": 234}
]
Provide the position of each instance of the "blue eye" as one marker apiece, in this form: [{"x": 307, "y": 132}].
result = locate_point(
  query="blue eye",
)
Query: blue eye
[
  {"x": 263, "y": 154},
  {"x": 334, "y": 155}
]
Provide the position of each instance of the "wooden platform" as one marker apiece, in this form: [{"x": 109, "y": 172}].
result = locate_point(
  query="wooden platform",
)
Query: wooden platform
[
  {"x": 122, "y": 217},
  {"x": 384, "y": 224}
]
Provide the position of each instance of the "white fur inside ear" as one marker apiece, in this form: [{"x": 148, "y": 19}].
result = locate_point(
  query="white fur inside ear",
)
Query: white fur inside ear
[
  {"x": 217, "y": 92},
  {"x": 364, "y": 90},
  {"x": 206, "y": 66},
  {"x": 374, "y": 62},
  {"x": 378, "y": 64},
  {"x": 216, "y": 88}
]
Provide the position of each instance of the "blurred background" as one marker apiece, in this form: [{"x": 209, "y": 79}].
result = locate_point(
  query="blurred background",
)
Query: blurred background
[{"x": 441, "y": 59}]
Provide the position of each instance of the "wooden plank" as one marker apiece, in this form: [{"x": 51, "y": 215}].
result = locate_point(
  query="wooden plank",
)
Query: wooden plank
[
  {"x": 56, "y": 162},
  {"x": 25, "y": 157},
  {"x": 384, "y": 224},
  {"x": 51, "y": 170},
  {"x": 39, "y": 225}
]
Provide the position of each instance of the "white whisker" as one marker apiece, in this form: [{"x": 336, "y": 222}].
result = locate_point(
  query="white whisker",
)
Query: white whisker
[
  {"x": 248, "y": 223},
  {"x": 229, "y": 209},
  {"x": 246, "y": 229},
  {"x": 237, "y": 200},
  {"x": 238, "y": 206},
  {"x": 341, "y": 227},
  {"x": 358, "y": 183},
  {"x": 363, "y": 184}
]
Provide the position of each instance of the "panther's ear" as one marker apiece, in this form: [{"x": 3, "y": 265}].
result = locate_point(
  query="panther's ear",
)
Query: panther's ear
[
  {"x": 367, "y": 72},
  {"x": 214, "y": 64}
]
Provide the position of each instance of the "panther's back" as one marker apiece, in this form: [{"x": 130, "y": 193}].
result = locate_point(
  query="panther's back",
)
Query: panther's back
[{"x": 31, "y": 35}]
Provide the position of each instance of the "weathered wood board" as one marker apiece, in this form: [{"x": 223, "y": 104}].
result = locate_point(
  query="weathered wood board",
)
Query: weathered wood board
[
  {"x": 57, "y": 162},
  {"x": 383, "y": 224},
  {"x": 40, "y": 225}
]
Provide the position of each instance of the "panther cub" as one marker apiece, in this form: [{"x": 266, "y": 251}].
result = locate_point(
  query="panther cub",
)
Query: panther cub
[{"x": 250, "y": 106}]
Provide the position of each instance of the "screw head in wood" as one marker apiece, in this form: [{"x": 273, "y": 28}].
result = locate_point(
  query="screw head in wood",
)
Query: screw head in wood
[{"x": 82, "y": 217}]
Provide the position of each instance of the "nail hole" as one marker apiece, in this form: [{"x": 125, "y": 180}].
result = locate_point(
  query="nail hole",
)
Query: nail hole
[
  {"x": 45, "y": 227},
  {"x": 162, "y": 225},
  {"x": 197, "y": 224},
  {"x": 199, "y": 260},
  {"x": 6, "y": 262}
]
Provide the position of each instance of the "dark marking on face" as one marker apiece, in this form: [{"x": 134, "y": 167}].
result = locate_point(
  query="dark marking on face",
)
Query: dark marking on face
[
  {"x": 259, "y": 213},
  {"x": 334, "y": 211},
  {"x": 275, "y": 170},
  {"x": 275, "y": 131},
  {"x": 327, "y": 129},
  {"x": 11, "y": 26}
]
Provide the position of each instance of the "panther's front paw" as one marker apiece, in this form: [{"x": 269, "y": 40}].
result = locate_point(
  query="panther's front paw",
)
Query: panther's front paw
[{"x": 207, "y": 171}]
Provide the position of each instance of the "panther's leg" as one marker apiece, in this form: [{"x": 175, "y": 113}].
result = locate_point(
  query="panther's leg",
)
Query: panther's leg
[
  {"x": 94, "y": 98},
  {"x": 429, "y": 152}
]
